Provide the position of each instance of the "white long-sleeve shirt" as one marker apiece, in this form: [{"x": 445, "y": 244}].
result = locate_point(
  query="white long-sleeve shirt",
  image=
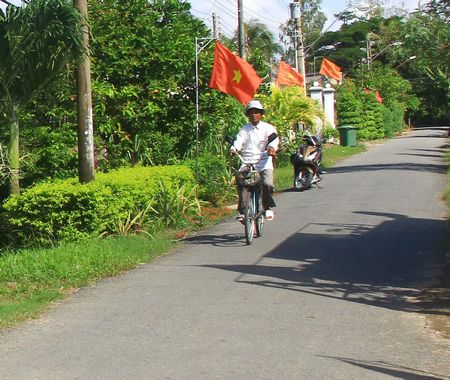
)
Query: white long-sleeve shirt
[{"x": 252, "y": 140}]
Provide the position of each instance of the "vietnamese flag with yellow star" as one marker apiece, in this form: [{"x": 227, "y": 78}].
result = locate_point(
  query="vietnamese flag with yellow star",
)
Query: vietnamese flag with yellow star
[
  {"x": 287, "y": 76},
  {"x": 233, "y": 75}
]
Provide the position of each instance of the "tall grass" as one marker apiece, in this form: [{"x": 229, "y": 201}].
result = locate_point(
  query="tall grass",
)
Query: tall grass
[{"x": 31, "y": 279}]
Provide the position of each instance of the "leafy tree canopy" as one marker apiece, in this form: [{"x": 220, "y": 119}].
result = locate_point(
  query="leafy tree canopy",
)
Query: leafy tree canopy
[
  {"x": 426, "y": 37},
  {"x": 143, "y": 67},
  {"x": 313, "y": 21}
]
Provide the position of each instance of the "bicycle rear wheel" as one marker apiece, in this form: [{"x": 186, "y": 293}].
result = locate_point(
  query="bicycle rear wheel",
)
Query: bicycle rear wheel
[
  {"x": 259, "y": 215},
  {"x": 249, "y": 221}
]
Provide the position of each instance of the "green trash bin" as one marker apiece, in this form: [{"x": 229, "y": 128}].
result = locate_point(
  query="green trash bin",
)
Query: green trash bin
[{"x": 347, "y": 135}]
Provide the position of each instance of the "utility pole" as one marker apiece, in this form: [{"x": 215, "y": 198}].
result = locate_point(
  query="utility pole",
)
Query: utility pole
[
  {"x": 296, "y": 15},
  {"x": 215, "y": 29},
  {"x": 241, "y": 32},
  {"x": 86, "y": 169}
]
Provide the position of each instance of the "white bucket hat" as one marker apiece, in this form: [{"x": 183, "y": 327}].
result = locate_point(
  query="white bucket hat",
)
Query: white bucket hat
[{"x": 254, "y": 104}]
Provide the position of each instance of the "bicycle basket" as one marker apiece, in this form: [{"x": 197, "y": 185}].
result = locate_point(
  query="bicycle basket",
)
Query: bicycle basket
[{"x": 248, "y": 178}]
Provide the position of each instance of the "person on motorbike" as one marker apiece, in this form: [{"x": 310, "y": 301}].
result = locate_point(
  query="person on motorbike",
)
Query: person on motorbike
[{"x": 252, "y": 141}]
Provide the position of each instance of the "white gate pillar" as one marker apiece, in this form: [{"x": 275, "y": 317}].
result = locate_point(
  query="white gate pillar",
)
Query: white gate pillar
[
  {"x": 328, "y": 104},
  {"x": 315, "y": 92}
]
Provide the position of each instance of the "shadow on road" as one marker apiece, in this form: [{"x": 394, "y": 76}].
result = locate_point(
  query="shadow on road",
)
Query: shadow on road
[
  {"x": 225, "y": 240},
  {"x": 390, "y": 369},
  {"x": 385, "y": 265},
  {"x": 419, "y": 167}
]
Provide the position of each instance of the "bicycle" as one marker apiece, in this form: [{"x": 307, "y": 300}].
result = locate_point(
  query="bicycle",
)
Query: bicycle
[
  {"x": 251, "y": 204},
  {"x": 250, "y": 180}
]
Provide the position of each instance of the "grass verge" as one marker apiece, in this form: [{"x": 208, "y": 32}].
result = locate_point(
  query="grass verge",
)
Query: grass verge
[{"x": 32, "y": 279}]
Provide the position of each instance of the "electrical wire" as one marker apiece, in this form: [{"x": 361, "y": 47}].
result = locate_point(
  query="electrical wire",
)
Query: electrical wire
[{"x": 228, "y": 7}]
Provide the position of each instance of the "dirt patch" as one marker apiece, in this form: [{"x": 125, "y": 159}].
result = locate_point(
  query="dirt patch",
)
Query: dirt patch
[{"x": 434, "y": 303}]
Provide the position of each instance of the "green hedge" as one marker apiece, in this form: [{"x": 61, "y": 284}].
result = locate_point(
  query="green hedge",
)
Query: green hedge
[{"x": 67, "y": 210}]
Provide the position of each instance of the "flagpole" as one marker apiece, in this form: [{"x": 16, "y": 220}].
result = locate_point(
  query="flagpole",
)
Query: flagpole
[{"x": 198, "y": 50}]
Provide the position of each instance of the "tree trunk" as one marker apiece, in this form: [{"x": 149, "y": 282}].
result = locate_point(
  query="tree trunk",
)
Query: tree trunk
[
  {"x": 14, "y": 153},
  {"x": 86, "y": 168}
]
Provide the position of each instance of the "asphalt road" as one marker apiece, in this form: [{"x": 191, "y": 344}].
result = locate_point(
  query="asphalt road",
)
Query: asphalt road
[{"x": 326, "y": 293}]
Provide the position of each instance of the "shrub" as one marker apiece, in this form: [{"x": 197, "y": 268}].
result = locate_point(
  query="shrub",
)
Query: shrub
[
  {"x": 68, "y": 211},
  {"x": 349, "y": 107},
  {"x": 372, "y": 127},
  {"x": 393, "y": 121},
  {"x": 214, "y": 177},
  {"x": 330, "y": 133},
  {"x": 286, "y": 107}
]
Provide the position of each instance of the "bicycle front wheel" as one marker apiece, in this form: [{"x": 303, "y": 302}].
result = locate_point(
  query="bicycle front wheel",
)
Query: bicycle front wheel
[
  {"x": 249, "y": 220},
  {"x": 259, "y": 215}
]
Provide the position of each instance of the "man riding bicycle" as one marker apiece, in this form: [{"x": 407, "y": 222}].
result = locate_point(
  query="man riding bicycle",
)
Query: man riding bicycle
[{"x": 252, "y": 141}]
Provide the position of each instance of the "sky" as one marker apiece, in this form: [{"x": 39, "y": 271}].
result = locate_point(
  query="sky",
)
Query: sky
[
  {"x": 273, "y": 12},
  {"x": 269, "y": 12}
]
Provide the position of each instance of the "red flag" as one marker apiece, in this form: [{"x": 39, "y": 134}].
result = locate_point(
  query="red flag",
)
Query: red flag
[
  {"x": 378, "y": 97},
  {"x": 287, "y": 76},
  {"x": 233, "y": 75},
  {"x": 330, "y": 69}
]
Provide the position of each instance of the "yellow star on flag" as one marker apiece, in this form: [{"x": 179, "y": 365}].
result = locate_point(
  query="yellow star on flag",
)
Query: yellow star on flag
[
  {"x": 237, "y": 76},
  {"x": 233, "y": 75}
]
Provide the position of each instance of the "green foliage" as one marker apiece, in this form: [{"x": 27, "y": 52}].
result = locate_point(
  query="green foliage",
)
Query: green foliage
[
  {"x": 393, "y": 120},
  {"x": 36, "y": 41},
  {"x": 175, "y": 208},
  {"x": 392, "y": 87},
  {"x": 135, "y": 223},
  {"x": 349, "y": 106},
  {"x": 330, "y": 133},
  {"x": 344, "y": 46},
  {"x": 286, "y": 107},
  {"x": 5, "y": 171},
  {"x": 422, "y": 87},
  {"x": 260, "y": 46},
  {"x": 313, "y": 20},
  {"x": 426, "y": 35},
  {"x": 357, "y": 108},
  {"x": 214, "y": 176},
  {"x": 67, "y": 210},
  {"x": 49, "y": 152},
  {"x": 144, "y": 87},
  {"x": 143, "y": 94},
  {"x": 372, "y": 127}
]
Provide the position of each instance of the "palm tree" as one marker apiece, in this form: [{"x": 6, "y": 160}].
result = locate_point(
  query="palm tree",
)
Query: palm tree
[
  {"x": 258, "y": 36},
  {"x": 36, "y": 41}
]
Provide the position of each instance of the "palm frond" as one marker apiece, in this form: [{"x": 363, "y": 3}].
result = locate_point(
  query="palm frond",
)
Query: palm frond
[{"x": 36, "y": 42}]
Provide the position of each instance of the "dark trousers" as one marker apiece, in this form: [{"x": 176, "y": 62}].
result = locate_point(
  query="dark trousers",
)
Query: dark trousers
[{"x": 267, "y": 191}]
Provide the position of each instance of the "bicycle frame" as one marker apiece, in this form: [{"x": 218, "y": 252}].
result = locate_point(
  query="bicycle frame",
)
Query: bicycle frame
[{"x": 253, "y": 212}]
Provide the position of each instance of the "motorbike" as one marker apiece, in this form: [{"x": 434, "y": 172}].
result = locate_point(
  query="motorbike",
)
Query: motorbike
[{"x": 307, "y": 162}]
